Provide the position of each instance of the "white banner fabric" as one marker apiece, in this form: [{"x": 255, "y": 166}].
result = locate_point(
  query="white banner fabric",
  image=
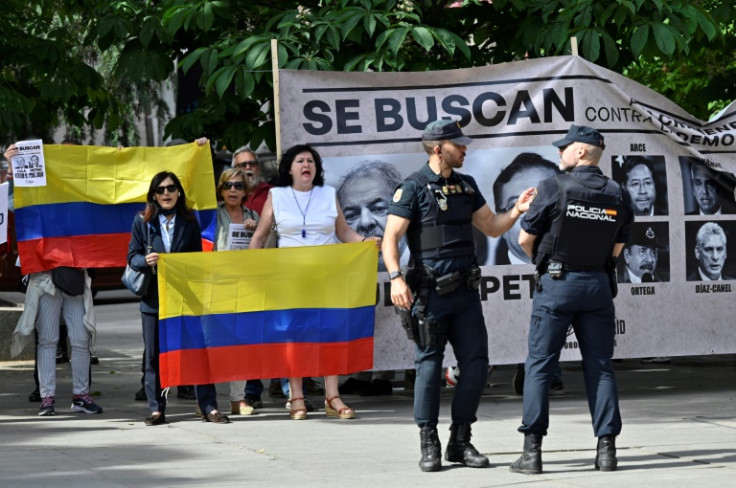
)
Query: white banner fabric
[{"x": 679, "y": 171}]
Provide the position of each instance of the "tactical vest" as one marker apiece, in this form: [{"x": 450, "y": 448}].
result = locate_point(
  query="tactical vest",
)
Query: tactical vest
[
  {"x": 583, "y": 235},
  {"x": 446, "y": 229}
]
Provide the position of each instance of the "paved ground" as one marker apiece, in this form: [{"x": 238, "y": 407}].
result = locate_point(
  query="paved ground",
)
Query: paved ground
[{"x": 679, "y": 431}]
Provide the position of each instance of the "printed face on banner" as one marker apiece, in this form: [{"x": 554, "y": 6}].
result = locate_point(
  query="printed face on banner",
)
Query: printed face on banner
[
  {"x": 646, "y": 257},
  {"x": 645, "y": 179},
  {"x": 706, "y": 191},
  {"x": 364, "y": 193},
  {"x": 640, "y": 185},
  {"x": 710, "y": 250},
  {"x": 528, "y": 173},
  {"x": 640, "y": 261}
]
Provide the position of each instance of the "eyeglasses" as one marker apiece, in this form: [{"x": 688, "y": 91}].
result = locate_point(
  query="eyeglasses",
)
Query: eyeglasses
[
  {"x": 170, "y": 188},
  {"x": 246, "y": 163},
  {"x": 238, "y": 185}
]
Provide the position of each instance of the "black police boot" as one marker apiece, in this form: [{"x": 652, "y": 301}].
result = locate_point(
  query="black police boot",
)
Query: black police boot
[
  {"x": 460, "y": 450},
  {"x": 431, "y": 449},
  {"x": 605, "y": 458},
  {"x": 530, "y": 461}
]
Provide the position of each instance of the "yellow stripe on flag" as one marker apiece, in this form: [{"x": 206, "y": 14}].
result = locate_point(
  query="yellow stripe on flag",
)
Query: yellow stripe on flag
[{"x": 333, "y": 276}]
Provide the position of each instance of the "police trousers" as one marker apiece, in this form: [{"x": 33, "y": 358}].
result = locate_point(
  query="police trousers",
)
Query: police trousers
[
  {"x": 469, "y": 340},
  {"x": 584, "y": 300}
]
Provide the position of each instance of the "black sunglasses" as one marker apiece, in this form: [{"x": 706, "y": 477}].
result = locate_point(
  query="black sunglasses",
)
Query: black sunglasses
[
  {"x": 246, "y": 163},
  {"x": 238, "y": 185},
  {"x": 170, "y": 188}
]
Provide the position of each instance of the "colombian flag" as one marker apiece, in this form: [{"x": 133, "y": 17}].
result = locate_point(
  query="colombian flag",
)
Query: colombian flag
[
  {"x": 82, "y": 217},
  {"x": 267, "y": 313}
]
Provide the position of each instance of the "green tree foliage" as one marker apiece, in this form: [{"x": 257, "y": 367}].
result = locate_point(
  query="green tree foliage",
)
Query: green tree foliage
[
  {"x": 73, "y": 62},
  {"x": 94, "y": 63},
  {"x": 636, "y": 37}
]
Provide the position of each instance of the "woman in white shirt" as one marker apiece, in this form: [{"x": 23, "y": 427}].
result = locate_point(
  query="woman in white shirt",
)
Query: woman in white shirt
[{"x": 306, "y": 213}]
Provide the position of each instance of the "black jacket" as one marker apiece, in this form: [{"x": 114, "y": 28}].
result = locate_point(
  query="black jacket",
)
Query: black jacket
[{"x": 187, "y": 238}]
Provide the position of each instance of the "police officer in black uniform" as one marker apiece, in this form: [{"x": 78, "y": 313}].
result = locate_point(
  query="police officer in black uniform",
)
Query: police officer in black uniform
[
  {"x": 438, "y": 298},
  {"x": 575, "y": 229}
]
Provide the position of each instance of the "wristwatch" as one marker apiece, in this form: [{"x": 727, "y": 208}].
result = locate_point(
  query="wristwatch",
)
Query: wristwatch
[{"x": 394, "y": 274}]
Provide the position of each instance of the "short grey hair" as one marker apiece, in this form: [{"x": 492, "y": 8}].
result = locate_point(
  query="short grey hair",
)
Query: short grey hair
[
  {"x": 709, "y": 228},
  {"x": 241, "y": 150},
  {"x": 384, "y": 172}
]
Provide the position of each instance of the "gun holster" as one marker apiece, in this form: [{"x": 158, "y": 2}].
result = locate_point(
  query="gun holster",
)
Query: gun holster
[
  {"x": 407, "y": 322},
  {"x": 432, "y": 332}
]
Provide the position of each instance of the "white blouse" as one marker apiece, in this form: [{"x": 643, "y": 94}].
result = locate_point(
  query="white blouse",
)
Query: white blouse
[{"x": 305, "y": 218}]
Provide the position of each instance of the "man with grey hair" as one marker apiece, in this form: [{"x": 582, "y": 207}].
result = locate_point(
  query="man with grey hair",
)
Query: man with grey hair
[
  {"x": 711, "y": 252},
  {"x": 247, "y": 161},
  {"x": 364, "y": 194}
]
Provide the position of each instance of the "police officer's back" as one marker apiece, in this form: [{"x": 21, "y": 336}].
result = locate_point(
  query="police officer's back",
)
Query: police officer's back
[{"x": 574, "y": 230}]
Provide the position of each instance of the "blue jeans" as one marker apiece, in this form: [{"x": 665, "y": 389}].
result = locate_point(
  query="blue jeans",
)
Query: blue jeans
[
  {"x": 584, "y": 300},
  {"x": 469, "y": 340}
]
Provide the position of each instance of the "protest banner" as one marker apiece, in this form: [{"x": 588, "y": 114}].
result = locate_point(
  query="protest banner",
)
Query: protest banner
[{"x": 678, "y": 169}]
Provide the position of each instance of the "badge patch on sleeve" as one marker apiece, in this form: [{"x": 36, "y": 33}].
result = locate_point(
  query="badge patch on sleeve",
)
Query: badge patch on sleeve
[{"x": 397, "y": 195}]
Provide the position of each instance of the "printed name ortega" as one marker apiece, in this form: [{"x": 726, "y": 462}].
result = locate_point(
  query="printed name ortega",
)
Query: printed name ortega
[{"x": 591, "y": 213}]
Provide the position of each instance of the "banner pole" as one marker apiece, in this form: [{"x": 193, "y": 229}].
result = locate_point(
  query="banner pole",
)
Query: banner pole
[
  {"x": 276, "y": 101},
  {"x": 574, "y": 46}
]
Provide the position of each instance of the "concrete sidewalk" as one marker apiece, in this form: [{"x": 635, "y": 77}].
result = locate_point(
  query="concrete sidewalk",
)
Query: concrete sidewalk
[{"x": 679, "y": 431}]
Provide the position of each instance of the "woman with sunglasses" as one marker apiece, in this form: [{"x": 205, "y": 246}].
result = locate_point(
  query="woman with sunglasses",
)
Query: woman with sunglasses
[
  {"x": 231, "y": 190},
  {"x": 306, "y": 213},
  {"x": 166, "y": 225}
]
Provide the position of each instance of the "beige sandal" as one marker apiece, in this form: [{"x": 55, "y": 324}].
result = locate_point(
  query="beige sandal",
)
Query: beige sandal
[
  {"x": 298, "y": 413},
  {"x": 343, "y": 413}
]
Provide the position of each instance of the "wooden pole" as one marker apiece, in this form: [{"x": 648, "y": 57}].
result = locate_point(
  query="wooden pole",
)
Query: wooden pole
[
  {"x": 574, "y": 46},
  {"x": 276, "y": 100}
]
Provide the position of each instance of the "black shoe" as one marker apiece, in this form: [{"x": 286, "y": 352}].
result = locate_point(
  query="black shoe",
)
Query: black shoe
[
  {"x": 530, "y": 461},
  {"x": 216, "y": 418},
  {"x": 605, "y": 457},
  {"x": 377, "y": 388},
  {"x": 153, "y": 419},
  {"x": 61, "y": 356},
  {"x": 353, "y": 386},
  {"x": 460, "y": 450},
  {"x": 94, "y": 359},
  {"x": 186, "y": 392},
  {"x": 429, "y": 443},
  {"x": 35, "y": 396},
  {"x": 140, "y": 395}
]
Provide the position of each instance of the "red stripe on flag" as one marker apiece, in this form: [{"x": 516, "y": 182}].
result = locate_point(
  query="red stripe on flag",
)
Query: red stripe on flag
[
  {"x": 265, "y": 361},
  {"x": 89, "y": 251}
]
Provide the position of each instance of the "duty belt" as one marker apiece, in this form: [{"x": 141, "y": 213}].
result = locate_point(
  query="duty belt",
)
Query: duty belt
[
  {"x": 566, "y": 267},
  {"x": 446, "y": 283}
]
